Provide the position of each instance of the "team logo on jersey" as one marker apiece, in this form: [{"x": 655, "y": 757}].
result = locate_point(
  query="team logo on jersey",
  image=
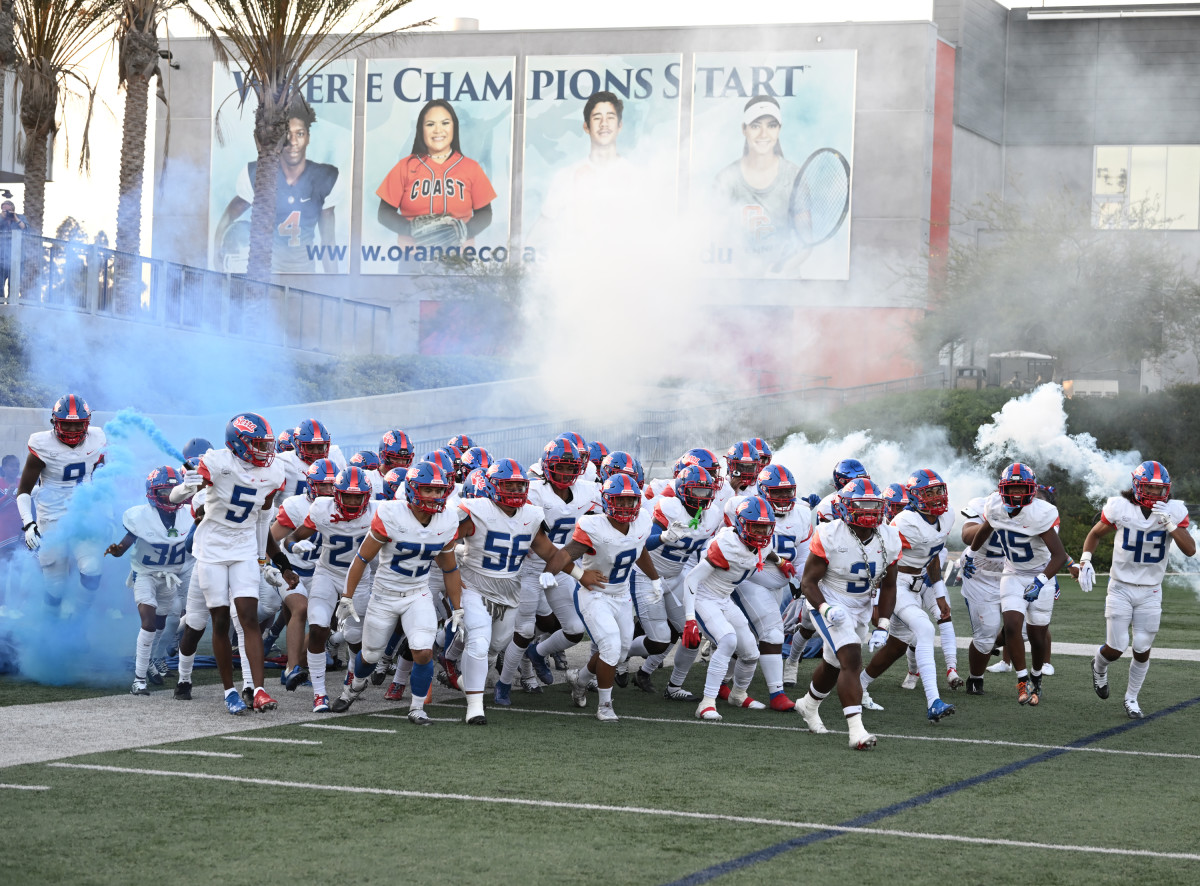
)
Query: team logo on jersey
[{"x": 244, "y": 425}]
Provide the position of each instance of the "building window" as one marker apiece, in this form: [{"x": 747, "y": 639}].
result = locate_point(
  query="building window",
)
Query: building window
[{"x": 1155, "y": 185}]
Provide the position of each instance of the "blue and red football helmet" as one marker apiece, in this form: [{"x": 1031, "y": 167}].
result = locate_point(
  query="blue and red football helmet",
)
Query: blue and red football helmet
[
  {"x": 70, "y": 418},
  {"x": 927, "y": 492},
  {"x": 1151, "y": 484},
  {"x": 249, "y": 437},
  {"x": 320, "y": 478},
  {"x": 563, "y": 462},
  {"x": 427, "y": 485},
  {"x": 507, "y": 483},
  {"x": 846, "y": 470},
  {"x": 896, "y": 497},
  {"x": 311, "y": 439},
  {"x": 1017, "y": 486},
  {"x": 158, "y": 488},
  {"x": 621, "y": 496},
  {"x": 754, "y": 522},
  {"x": 395, "y": 451},
  {"x": 352, "y": 492},
  {"x": 742, "y": 461},
  {"x": 861, "y": 503},
  {"x": 777, "y": 485},
  {"x": 193, "y": 449},
  {"x": 365, "y": 459},
  {"x": 283, "y": 443},
  {"x": 694, "y": 487},
  {"x": 619, "y": 462}
]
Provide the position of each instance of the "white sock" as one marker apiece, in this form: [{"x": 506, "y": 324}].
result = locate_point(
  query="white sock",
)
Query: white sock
[
  {"x": 141, "y": 660},
  {"x": 474, "y": 674},
  {"x": 416, "y": 704},
  {"x": 865, "y": 680},
  {"x": 718, "y": 665},
  {"x": 1137, "y": 676},
  {"x": 1101, "y": 663},
  {"x": 474, "y": 705},
  {"x": 556, "y": 642},
  {"x": 949, "y": 644},
  {"x": 772, "y": 668},
  {"x": 913, "y": 667},
  {"x": 638, "y": 648},
  {"x": 316, "y": 672},
  {"x": 606, "y": 696},
  {"x": 513, "y": 656},
  {"x": 928, "y": 671},
  {"x": 186, "y": 663},
  {"x": 403, "y": 671},
  {"x": 684, "y": 659},
  {"x": 245, "y": 659},
  {"x": 855, "y": 723},
  {"x": 743, "y": 673}
]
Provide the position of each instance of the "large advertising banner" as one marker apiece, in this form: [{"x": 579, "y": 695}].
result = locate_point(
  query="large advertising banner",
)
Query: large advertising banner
[
  {"x": 312, "y": 197},
  {"x": 771, "y": 159},
  {"x": 601, "y": 147},
  {"x": 437, "y": 164}
]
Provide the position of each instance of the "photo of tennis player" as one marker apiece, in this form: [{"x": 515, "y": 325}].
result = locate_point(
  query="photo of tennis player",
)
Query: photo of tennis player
[
  {"x": 435, "y": 196},
  {"x": 307, "y": 195}
]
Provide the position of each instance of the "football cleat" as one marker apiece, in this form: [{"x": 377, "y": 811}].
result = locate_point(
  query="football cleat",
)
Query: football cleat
[
  {"x": 1035, "y": 690},
  {"x": 622, "y": 676},
  {"x": 790, "y": 670},
  {"x": 869, "y": 703},
  {"x": 419, "y": 718},
  {"x": 1099, "y": 681},
  {"x": 910, "y": 681},
  {"x": 863, "y": 742},
  {"x": 999, "y": 667},
  {"x": 320, "y": 704},
  {"x": 477, "y": 720},
  {"x": 560, "y": 661},
  {"x": 263, "y": 702},
  {"x": 449, "y": 677},
  {"x": 953, "y": 679},
  {"x": 234, "y": 703},
  {"x": 975, "y": 686},
  {"x": 643, "y": 681},
  {"x": 739, "y": 698},
  {"x": 153, "y": 675},
  {"x": 502, "y": 694},
  {"x": 532, "y": 685},
  {"x": 385, "y": 667},
  {"x": 540, "y": 665},
  {"x": 706, "y": 711},
  {"x": 1023, "y": 690},
  {"x": 781, "y": 702},
  {"x": 183, "y": 690},
  {"x": 1132, "y": 710},
  {"x": 939, "y": 709},
  {"x": 293, "y": 678},
  {"x": 1047, "y": 670},
  {"x": 348, "y": 697},
  {"x": 593, "y": 685},
  {"x": 578, "y": 690},
  {"x": 606, "y": 714},
  {"x": 139, "y": 687},
  {"x": 677, "y": 693},
  {"x": 807, "y": 706},
  {"x": 395, "y": 692}
]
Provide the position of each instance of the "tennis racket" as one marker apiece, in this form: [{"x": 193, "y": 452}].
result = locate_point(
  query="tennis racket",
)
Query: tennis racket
[{"x": 820, "y": 197}]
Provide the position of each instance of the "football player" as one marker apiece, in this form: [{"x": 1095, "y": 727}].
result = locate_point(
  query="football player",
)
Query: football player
[
  {"x": 158, "y": 532},
  {"x": 731, "y": 558},
  {"x": 1149, "y": 520},
  {"x": 981, "y": 592},
  {"x": 395, "y": 453},
  {"x": 843, "y": 472},
  {"x": 848, "y": 559},
  {"x": 760, "y": 594},
  {"x": 310, "y": 441},
  {"x": 338, "y": 515},
  {"x": 684, "y": 522},
  {"x": 563, "y": 496},
  {"x": 742, "y": 462},
  {"x": 408, "y": 535},
  {"x": 232, "y": 542},
  {"x": 607, "y": 545},
  {"x": 1033, "y": 555},
  {"x": 924, "y": 527},
  {"x": 58, "y": 461}
]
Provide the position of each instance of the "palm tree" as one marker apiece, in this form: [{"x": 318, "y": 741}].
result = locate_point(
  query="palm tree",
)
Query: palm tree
[
  {"x": 137, "y": 64},
  {"x": 280, "y": 44},
  {"x": 53, "y": 37},
  {"x": 7, "y": 47}
]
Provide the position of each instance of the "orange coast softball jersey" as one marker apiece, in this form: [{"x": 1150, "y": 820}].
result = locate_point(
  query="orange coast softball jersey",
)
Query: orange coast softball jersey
[{"x": 417, "y": 186}]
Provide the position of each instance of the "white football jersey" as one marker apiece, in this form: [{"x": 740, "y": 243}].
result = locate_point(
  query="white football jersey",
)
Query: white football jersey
[
  {"x": 1024, "y": 550},
  {"x": 65, "y": 468},
  {"x": 922, "y": 541},
  {"x": 669, "y": 559},
  {"x": 559, "y": 516},
  {"x": 824, "y": 512},
  {"x": 495, "y": 551},
  {"x": 238, "y": 492},
  {"x": 1141, "y": 544},
  {"x": 340, "y": 539},
  {"x": 611, "y": 551},
  {"x": 291, "y": 515},
  {"x": 657, "y": 487},
  {"x": 297, "y": 470},
  {"x": 989, "y": 558},
  {"x": 855, "y": 567},
  {"x": 159, "y": 547},
  {"x": 734, "y": 562},
  {"x": 410, "y": 548}
]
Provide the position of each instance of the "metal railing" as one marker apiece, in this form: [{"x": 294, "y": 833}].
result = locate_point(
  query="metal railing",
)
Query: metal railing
[{"x": 96, "y": 280}]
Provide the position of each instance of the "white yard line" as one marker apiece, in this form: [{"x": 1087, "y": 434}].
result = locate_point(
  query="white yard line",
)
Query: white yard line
[
  {"x": 187, "y": 753},
  {"x": 726, "y": 723},
  {"x": 24, "y": 787},
  {"x": 1089, "y": 649},
  {"x": 346, "y": 728},
  {"x": 1023, "y": 845},
  {"x": 270, "y": 740}
]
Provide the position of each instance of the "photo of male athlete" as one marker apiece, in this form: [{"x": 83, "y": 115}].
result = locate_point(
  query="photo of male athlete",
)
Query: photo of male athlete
[{"x": 307, "y": 195}]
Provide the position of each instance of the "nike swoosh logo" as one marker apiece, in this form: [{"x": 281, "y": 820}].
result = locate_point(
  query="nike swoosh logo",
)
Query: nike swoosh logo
[{"x": 305, "y": 199}]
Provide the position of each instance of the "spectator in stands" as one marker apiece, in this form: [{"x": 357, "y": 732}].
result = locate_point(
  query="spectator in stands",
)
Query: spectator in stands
[{"x": 9, "y": 222}]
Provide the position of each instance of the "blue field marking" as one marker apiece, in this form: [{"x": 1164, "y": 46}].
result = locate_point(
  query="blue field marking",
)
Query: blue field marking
[{"x": 869, "y": 818}]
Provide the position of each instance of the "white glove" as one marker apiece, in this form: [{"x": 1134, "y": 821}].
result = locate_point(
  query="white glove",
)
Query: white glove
[
  {"x": 304, "y": 546},
  {"x": 671, "y": 534},
  {"x": 33, "y": 538},
  {"x": 273, "y": 576},
  {"x": 656, "y": 592},
  {"x": 345, "y": 611},
  {"x": 457, "y": 616},
  {"x": 792, "y": 616},
  {"x": 878, "y": 638},
  {"x": 1163, "y": 513},
  {"x": 1087, "y": 576},
  {"x": 172, "y": 581},
  {"x": 547, "y": 581},
  {"x": 833, "y": 614}
]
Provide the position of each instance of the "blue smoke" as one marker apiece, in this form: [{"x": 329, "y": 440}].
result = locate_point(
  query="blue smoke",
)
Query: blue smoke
[{"x": 90, "y": 638}]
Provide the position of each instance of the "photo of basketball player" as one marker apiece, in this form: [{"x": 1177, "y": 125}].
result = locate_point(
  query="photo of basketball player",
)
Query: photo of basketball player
[
  {"x": 307, "y": 195},
  {"x": 435, "y": 196},
  {"x": 758, "y": 186}
]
